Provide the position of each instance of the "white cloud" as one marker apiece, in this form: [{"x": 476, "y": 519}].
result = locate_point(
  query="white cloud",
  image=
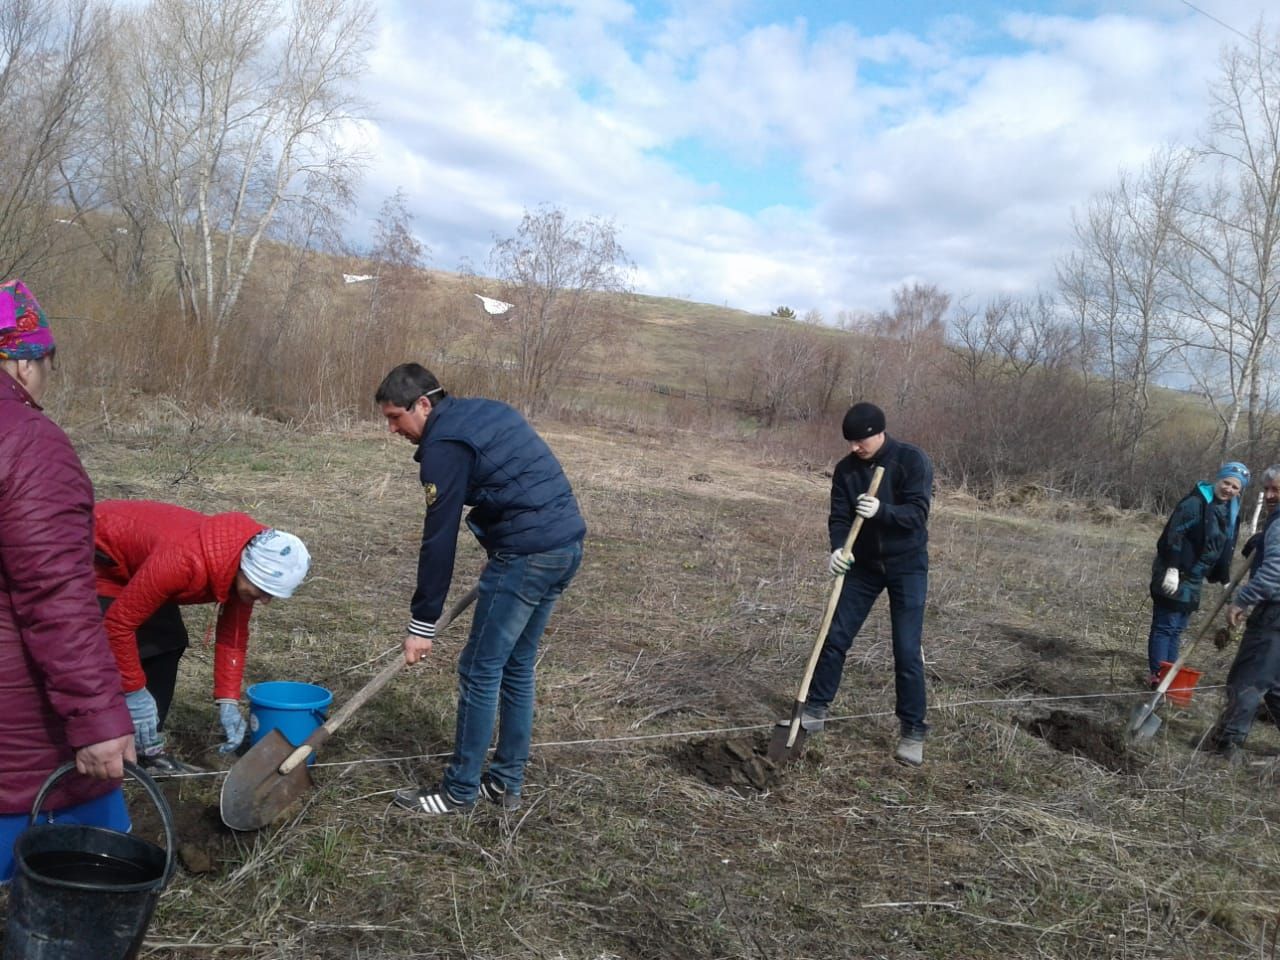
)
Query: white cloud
[{"x": 949, "y": 152}]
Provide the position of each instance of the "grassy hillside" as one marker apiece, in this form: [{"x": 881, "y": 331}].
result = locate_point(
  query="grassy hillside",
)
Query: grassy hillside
[{"x": 1033, "y": 829}]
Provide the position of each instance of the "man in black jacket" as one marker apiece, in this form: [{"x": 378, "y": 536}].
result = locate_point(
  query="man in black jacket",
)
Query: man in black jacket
[{"x": 891, "y": 553}]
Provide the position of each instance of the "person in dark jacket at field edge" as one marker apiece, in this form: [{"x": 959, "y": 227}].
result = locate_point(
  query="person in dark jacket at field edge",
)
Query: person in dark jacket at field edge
[
  {"x": 59, "y": 690},
  {"x": 484, "y": 454},
  {"x": 1254, "y": 677},
  {"x": 1197, "y": 544},
  {"x": 891, "y": 553}
]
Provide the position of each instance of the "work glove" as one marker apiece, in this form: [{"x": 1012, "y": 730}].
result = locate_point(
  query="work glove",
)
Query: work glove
[
  {"x": 839, "y": 564},
  {"x": 1225, "y": 636},
  {"x": 233, "y": 725},
  {"x": 867, "y": 506},
  {"x": 146, "y": 722},
  {"x": 1169, "y": 585}
]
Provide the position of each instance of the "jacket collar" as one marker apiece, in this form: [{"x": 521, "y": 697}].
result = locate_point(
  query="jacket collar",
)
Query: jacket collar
[
  {"x": 882, "y": 454},
  {"x": 437, "y": 409},
  {"x": 13, "y": 388}
]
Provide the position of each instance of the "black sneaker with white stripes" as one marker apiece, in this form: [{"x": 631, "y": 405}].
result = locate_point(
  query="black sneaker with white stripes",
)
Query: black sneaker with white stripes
[
  {"x": 495, "y": 792},
  {"x": 432, "y": 801}
]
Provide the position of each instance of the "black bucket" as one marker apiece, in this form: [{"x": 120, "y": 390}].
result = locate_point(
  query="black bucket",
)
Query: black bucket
[{"x": 85, "y": 893}]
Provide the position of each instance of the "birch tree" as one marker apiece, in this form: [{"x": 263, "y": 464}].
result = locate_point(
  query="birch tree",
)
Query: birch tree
[
  {"x": 225, "y": 111},
  {"x": 1232, "y": 278},
  {"x": 1121, "y": 285}
]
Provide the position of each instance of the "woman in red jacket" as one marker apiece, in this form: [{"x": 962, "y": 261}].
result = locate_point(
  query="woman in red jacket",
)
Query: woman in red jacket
[
  {"x": 59, "y": 688},
  {"x": 153, "y": 557}
]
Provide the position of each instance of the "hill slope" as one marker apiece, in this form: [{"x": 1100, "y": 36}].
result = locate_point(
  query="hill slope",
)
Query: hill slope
[{"x": 1033, "y": 829}]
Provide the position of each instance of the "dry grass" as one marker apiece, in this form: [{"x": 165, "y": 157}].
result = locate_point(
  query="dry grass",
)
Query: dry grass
[{"x": 694, "y": 611}]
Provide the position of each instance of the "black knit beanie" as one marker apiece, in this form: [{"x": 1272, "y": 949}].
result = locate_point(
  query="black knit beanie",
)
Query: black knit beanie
[{"x": 863, "y": 420}]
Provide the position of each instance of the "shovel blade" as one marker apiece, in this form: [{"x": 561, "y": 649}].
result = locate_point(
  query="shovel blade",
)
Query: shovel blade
[
  {"x": 781, "y": 752},
  {"x": 1143, "y": 722},
  {"x": 255, "y": 793}
]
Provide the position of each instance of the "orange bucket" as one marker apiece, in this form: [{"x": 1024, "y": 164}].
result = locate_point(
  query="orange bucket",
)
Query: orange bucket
[{"x": 1184, "y": 681}]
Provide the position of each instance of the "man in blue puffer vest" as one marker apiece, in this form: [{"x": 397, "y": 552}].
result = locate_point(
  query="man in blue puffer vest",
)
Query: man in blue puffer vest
[{"x": 484, "y": 454}]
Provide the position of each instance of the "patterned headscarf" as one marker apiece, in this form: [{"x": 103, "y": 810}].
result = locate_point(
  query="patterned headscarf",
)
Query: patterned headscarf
[{"x": 24, "y": 329}]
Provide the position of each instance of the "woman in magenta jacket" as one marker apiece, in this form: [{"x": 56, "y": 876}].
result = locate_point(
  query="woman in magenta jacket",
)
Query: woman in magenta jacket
[{"x": 59, "y": 688}]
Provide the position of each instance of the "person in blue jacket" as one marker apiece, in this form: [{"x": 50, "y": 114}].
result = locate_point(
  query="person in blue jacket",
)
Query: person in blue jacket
[
  {"x": 891, "y": 554},
  {"x": 1197, "y": 544},
  {"x": 484, "y": 454},
  {"x": 1254, "y": 677}
]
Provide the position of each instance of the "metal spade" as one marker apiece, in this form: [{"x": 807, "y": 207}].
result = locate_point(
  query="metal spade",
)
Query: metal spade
[
  {"x": 1143, "y": 719},
  {"x": 273, "y": 774}
]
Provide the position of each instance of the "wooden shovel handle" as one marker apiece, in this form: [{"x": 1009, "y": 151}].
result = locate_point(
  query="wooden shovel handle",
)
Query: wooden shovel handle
[
  {"x": 832, "y": 602},
  {"x": 366, "y": 693}
]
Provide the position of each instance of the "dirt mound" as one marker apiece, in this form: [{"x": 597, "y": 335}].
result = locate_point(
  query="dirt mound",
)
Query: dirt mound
[
  {"x": 1082, "y": 737},
  {"x": 204, "y": 842},
  {"x": 741, "y": 764}
]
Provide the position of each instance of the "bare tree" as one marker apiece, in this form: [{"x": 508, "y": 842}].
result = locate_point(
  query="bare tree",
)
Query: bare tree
[
  {"x": 50, "y": 59},
  {"x": 1017, "y": 393},
  {"x": 1232, "y": 279},
  {"x": 225, "y": 111},
  {"x": 915, "y": 325},
  {"x": 1121, "y": 285},
  {"x": 558, "y": 273},
  {"x": 781, "y": 373},
  {"x": 394, "y": 244},
  {"x": 399, "y": 258}
]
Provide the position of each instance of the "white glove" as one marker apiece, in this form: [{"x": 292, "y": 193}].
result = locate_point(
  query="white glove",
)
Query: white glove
[
  {"x": 1170, "y": 582},
  {"x": 146, "y": 722},
  {"x": 839, "y": 564},
  {"x": 233, "y": 725},
  {"x": 867, "y": 506}
]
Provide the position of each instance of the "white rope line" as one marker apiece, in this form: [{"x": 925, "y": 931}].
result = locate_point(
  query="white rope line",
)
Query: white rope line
[{"x": 714, "y": 731}]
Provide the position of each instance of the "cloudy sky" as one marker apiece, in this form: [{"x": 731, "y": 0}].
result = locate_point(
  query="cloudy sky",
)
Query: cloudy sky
[{"x": 812, "y": 154}]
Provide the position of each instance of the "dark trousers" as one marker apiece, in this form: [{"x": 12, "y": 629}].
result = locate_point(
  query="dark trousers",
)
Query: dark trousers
[
  {"x": 907, "y": 581},
  {"x": 162, "y": 641},
  {"x": 1252, "y": 680}
]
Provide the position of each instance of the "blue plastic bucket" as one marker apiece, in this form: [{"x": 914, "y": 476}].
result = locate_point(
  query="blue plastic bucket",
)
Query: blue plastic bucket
[{"x": 295, "y": 709}]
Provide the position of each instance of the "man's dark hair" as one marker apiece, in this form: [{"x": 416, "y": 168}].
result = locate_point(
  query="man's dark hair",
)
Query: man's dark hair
[{"x": 406, "y": 383}]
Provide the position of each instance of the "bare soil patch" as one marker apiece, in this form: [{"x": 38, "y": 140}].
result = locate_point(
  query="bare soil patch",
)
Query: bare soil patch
[
  {"x": 741, "y": 764},
  {"x": 205, "y": 844},
  {"x": 1079, "y": 735}
]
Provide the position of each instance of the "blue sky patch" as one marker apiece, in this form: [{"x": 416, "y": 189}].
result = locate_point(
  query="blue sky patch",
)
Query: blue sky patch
[{"x": 741, "y": 184}]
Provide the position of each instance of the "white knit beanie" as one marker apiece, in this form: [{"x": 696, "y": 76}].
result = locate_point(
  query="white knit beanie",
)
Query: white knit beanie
[{"x": 276, "y": 562}]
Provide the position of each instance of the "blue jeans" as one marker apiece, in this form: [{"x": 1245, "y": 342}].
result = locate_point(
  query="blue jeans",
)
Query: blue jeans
[
  {"x": 517, "y": 593},
  {"x": 907, "y": 580},
  {"x": 1166, "y": 635}
]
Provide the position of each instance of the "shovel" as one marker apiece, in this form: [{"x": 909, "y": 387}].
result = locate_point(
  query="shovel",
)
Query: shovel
[
  {"x": 788, "y": 739},
  {"x": 1143, "y": 720},
  {"x": 272, "y": 775}
]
